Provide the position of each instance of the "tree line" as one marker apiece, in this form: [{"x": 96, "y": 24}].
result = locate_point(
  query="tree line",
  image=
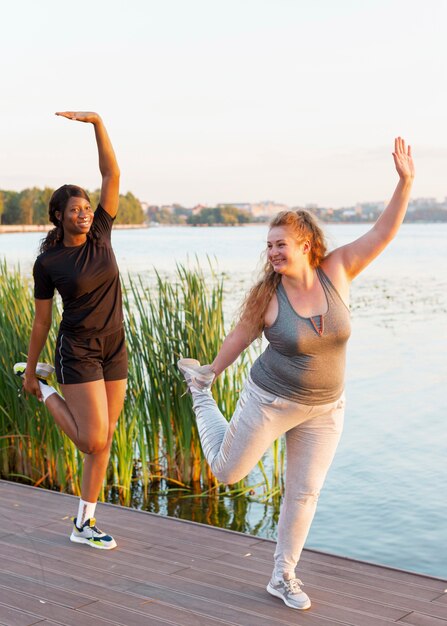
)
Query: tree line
[
  {"x": 30, "y": 206},
  {"x": 223, "y": 216}
]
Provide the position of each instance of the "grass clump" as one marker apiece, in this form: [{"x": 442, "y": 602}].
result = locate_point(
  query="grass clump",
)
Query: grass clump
[{"x": 156, "y": 444}]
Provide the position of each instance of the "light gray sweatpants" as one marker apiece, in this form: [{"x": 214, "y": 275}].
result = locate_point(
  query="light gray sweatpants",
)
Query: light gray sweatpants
[{"x": 233, "y": 448}]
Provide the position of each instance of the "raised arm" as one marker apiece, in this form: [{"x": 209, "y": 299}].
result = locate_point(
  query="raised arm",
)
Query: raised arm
[
  {"x": 355, "y": 256},
  {"x": 108, "y": 164}
]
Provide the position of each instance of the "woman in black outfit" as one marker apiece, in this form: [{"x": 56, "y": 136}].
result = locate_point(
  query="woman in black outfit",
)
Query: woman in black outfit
[{"x": 91, "y": 361}]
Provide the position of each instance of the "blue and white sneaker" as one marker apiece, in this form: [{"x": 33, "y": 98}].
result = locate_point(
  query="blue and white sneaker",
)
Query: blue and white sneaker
[
  {"x": 91, "y": 535},
  {"x": 43, "y": 371},
  {"x": 290, "y": 592}
]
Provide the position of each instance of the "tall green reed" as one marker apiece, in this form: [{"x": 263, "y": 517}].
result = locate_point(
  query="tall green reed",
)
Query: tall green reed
[
  {"x": 156, "y": 444},
  {"x": 31, "y": 447}
]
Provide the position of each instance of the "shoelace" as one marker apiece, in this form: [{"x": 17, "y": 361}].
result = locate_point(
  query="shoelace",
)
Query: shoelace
[
  {"x": 196, "y": 381},
  {"x": 294, "y": 585},
  {"x": 96, "y": 529}
]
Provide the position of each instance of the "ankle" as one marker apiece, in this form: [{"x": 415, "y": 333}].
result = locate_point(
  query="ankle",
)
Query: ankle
[{"x": 46, "y": 390}]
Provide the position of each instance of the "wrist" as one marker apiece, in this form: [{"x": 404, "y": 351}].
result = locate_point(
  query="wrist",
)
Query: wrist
[{"x": 407, "y": 179}]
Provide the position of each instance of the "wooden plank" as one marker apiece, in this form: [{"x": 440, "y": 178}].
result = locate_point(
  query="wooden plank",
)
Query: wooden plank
[
  {"x": 128, "y": 618},
  {"x": 42, "y": 591},
  {"x": 177, "y": 572},
  {"x": 442, "y": 598},
  {"x": 127, "y": 541},
  {"x": 407, "y": 603},
  {"x": 55, "y": 576},
  {"x": 320, "y": 608},
  {"x": 259, "y": 543},
  {"x": 259, "y": 610},
  {"x": 339, "y": 611},
  {"x": 263, "y": 548},
  {"x": 148, "y": 525},
  {"x": 74, "y": 555},
  {"x": 54, "y": 612},
  {"x": 416, "y": 619},
  {"x": 379, "y": 570},
  {"x": 349, "y": 612},
  {"x": 312, "y": 560},
  {"x": 106, "y": 589},
  {"x": 204, "y": 609},
  {"x": 343, "y": 575},
  {"x": 15, "y": 617}
]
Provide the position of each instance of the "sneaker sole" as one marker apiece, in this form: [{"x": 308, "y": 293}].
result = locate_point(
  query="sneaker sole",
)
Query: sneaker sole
[
  {"x": 92, "y": 544},
  {"x": 273, "y": 592},
  {"x": 43, "y": 370}
]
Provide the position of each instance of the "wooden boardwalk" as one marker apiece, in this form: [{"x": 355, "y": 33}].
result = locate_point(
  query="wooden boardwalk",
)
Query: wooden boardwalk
[{"x": 168, "y": 571}]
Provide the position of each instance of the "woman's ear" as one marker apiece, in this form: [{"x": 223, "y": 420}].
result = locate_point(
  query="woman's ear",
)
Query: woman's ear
[
  {"x": 58, "y": 215},
  {"x": 306, "y": 246}
]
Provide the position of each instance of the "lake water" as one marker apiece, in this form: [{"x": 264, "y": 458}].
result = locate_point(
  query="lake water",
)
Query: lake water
[{"x": 385, "y": 499}]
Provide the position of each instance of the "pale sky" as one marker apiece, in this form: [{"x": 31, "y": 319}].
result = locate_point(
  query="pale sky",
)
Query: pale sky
[{"x": 212, "y": 101}]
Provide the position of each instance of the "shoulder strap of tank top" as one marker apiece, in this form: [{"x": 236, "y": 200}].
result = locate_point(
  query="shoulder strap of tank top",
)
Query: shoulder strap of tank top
[
  {"x": 328, "y": 286},
  {"x": 281, "y": 293}
]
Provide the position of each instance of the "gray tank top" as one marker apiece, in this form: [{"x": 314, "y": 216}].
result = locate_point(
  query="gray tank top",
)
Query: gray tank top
[{"x": 301, "y": 364}]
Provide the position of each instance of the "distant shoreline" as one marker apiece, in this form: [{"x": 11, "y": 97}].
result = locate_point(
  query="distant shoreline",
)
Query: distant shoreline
[{"x": 43, "y": 228}]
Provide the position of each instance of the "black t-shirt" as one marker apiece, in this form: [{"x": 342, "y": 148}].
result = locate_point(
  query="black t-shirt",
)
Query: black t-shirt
[{"x": 87, "y": 278}]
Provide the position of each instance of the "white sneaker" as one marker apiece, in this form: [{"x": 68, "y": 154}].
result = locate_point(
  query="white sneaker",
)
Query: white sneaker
[
  {"x": 290, "y": 592},
  {"x": 43, "y": 371},
  {"x": 91, "y": 535},
  {"x": 198, "y": 377}
]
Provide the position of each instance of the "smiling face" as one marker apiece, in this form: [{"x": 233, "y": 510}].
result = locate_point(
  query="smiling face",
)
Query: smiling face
[
  {"x": 284, "y": 251},
  {"x": 77, "y": 217}
]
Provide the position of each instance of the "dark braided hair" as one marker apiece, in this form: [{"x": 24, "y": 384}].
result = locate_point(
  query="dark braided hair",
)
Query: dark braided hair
[{"x": 58, "y": 203}]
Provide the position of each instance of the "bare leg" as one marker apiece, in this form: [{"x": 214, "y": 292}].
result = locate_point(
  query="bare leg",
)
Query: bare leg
[
  {"x": 88, "y": 415},
  {"x": 63, "y": 417},
  {"x": 95, "y": 465}
]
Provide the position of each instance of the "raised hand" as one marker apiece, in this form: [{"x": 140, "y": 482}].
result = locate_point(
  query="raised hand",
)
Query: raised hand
[
  {"x": 403, "y": 159},
  {"x": 108, "y": 165},
  {"x": 80, "y": 116}
]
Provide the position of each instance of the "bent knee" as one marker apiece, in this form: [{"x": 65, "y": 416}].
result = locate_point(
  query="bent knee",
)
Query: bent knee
[
  {"x": 93, "y": 446},
  {"x": 305, "y": 498},
  {"x": 227, "y": 475}
]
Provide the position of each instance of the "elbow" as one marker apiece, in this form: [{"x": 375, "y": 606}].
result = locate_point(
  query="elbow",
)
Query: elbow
[
  {"x": 115, "y": 173},
  {"x": 111, "y": 174},
  {"x": 43, "y": 325},
  {"x": 385, "y": 235}
]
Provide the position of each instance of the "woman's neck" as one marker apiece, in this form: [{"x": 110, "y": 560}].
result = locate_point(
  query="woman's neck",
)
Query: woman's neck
[
  {"x": 72, "y": 241},
  {"x": 303, "y": 278}
]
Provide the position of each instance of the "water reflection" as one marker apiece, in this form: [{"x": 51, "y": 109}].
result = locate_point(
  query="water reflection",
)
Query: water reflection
[{"x": 242, "y": 513}]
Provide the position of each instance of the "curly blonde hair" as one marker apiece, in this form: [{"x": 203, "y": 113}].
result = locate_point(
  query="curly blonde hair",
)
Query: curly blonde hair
[{"x": 304, "y": 227}]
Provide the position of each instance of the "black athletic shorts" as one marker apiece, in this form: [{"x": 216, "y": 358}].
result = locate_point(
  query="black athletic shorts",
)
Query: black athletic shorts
[{"x": 82, "y": 360}]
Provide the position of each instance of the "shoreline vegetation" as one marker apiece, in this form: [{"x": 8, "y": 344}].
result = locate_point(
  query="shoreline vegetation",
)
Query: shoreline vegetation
[
  {"x": 27, "y": 211},
  {"x": 156, "y": 448},
  {"x": 43, "y": 228}
]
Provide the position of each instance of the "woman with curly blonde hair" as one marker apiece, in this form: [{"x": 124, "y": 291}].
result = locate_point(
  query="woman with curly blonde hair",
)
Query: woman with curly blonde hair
[{"x": 296, "y": 386}]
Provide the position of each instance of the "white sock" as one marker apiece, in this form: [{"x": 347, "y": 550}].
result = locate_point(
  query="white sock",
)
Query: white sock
[
  {"x": 46, "y": 390},
  {"x": 86, "y": 511}
]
